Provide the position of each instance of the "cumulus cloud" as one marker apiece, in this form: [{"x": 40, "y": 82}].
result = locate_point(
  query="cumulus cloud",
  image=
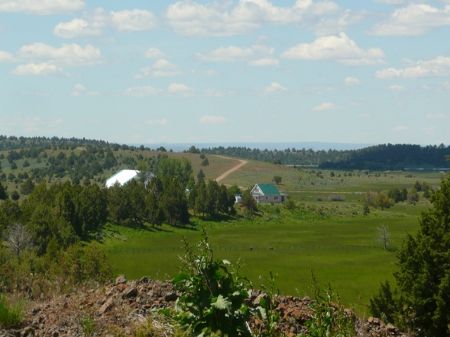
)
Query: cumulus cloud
[
  {"x": 396, "y": 87},
  {"x": 81, "y": 90},
  {"x": 93, "y": 23},
  {"x": 160, "y": 68},
  {"x": 274, "y": 88},
  {"x": 37, "y": 69},
  {"x": 6, "y": 57},
  {"x": 256, "y": 55},
  {"x": 67, "y": 54},
  {"x": 179, "y": 89},
  {"x": 351, "y": 81},
  {"x": 414, "y": 19},
  {"x": 143, "y": 91},
  {"x": 439, "y": 66},
  {"x": 41, "y": 7},
  {"x": 325, "y": 106},
  {"x": 154, "y": 53},
  {"x": 227, "y": 18},
  {"x": 335, "y": 47},
  {"x": 212, "y": 120},
  {"x": 77, "y": 28},
  {"x": 135, "y": 20}
]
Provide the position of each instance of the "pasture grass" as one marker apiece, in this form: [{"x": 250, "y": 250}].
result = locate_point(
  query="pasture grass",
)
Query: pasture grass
[{"x": 333, "y": 241}]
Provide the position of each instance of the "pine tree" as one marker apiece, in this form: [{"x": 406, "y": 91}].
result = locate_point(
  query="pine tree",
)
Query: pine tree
[{"x": 423, "y": 278}]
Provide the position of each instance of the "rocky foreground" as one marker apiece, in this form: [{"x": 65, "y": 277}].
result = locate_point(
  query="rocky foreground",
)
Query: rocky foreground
[{"x": 119, "y": 309}]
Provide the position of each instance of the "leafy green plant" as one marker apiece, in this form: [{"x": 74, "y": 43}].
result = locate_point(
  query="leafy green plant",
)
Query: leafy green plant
[
  {"x": 10, "y": 315},
  {"x": 266, "y": 311},
  {"x": 329, "y": 318},
  {"x": 213, "y": 295},
  {"x": 88, "y": 325}
]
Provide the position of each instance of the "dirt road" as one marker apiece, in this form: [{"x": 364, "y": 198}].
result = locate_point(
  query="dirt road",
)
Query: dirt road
[{"x": 231, "y": 170}]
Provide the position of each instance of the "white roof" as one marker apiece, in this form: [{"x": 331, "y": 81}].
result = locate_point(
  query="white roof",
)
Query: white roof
[{"x": 121, "y": 177}]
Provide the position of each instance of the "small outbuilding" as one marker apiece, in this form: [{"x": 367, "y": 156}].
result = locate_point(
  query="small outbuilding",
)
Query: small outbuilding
[{"x": 267, "y": 193}]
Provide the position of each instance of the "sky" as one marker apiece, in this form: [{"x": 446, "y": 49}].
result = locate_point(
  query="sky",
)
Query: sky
[{"x": 195, "y": 71}]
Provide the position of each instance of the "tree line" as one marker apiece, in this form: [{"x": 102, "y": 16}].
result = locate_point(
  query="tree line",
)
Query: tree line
[{"x": 379, "y": 157}]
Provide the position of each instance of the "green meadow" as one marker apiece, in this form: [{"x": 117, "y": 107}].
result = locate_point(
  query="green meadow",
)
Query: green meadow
[{"x": 338, "y": 244}]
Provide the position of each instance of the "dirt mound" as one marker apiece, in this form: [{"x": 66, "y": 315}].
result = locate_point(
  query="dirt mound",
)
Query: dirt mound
[{"x": 117, "y": 309}]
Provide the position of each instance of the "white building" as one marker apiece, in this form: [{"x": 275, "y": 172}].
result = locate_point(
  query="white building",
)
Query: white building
[{"x": 122, "y": 177}]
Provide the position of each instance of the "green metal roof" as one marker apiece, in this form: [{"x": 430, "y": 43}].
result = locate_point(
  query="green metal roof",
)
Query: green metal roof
[{"x": 269, "y": 189}]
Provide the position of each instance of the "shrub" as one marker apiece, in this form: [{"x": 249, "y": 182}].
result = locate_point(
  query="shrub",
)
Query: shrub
[
  {"x": 213, "y": 296},
  {"x": 10, "y": 315},
  {"x": 329, "y": 316}
]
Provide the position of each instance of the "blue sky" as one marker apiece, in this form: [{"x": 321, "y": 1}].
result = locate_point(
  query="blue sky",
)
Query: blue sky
[{"x": 226, "y": 71}]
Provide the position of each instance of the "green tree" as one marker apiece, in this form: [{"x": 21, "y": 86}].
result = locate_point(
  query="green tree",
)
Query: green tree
[
  {"x": 277, "y": 180},
  {"x": 27, "y": 187},
  {"x": 423, "y": 278},
  {"x": 3, "y": 192},
  {"x": 249, "y": 203}
]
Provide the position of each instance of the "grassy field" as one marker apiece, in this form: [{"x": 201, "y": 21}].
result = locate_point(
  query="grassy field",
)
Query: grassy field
[{"x": 331, "y": 242}]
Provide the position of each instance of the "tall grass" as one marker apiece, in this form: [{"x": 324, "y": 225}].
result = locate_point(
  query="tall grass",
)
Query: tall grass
[{"x": 11, "y": 315}]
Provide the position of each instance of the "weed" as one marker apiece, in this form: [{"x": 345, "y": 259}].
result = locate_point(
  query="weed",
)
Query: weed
[
  {"x": 213, "y": 296},
  {"x": 10, "y": 315}
]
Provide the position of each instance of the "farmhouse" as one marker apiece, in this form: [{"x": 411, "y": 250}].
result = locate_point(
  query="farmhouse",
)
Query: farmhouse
[
  {"x": 122, "y": 177},
  {"x": 267, "y": 193}
]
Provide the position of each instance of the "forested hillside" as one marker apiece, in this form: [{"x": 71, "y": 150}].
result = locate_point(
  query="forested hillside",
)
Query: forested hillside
[
  {"x": 393, "y": 157},
  {"x": 379, "y": 157}
]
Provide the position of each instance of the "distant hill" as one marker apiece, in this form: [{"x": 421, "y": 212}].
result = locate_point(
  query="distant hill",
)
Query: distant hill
[
  {"x": 393, "y": 157},
  {"x": 379, "y": 157}
]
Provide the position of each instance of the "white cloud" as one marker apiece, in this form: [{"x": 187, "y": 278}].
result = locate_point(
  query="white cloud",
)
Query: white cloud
[
  {"x": 93, "y": 23},
  {"x": 143, "y": 91},
  {"x": 154, "y": 53},
  {"x": 439, "y": 66},
  {"x": 400, "y": 128},
  {"x": 6, "y": 57},
  {"x": 256, "y": 55},
  {"x": 134, "y": 20},
  {"x": 76, "y": 28},
  {"x": 438, "y": 116},
  {"x": 414, "y": 19},
  {"x": 212, "y": 120},
  {"x": 41, "y": 7},
  {"x": 392, "y": 2},
  {"x": 37, "y": 69},
  {"x": 229, "y": 18},
  {"x": 263, "y": 62},
  {"x": 158, "y": 122},
  {"x": 81, "y": 90},
  {"x": 335, "y": 47},
  {"x": 351, "y": 81},
  {"x": 160, "y": 68},
  {"x": 324, "y": 106},
  {"x": 68, "y": 54},
  {"x": 179, "y": 89},
  {"x": 273, "y": 88},
  {"x": 396, "y": 87}
]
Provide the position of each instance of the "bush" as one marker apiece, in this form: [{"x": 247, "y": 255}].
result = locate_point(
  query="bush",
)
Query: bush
[
  {"x": 329, "y": 316},
  {"x": 10, "y": 315},
  {"x": 213, "y": 296}
]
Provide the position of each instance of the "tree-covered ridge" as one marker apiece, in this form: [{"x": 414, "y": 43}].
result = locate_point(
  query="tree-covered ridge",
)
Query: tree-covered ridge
[
  {"x": 379, "y": 157},
  {"x": 285, "y": 157},
  {"x": 394, "y": 157}
]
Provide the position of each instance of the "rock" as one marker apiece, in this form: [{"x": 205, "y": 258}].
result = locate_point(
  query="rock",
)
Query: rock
[
  {"x": 120, "y": 279},
  {"x": 171, "y": 296},
  {"x": 390, "y": 327},
  {"x": 106, "y": 306},
  {"x": 27, "y": 332},
  {"x": 130, "y": 293},
  {"x": 370, "y": 320}
]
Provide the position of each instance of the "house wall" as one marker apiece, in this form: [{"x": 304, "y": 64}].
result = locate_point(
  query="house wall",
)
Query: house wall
[{"x": 276, "y": 199}]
